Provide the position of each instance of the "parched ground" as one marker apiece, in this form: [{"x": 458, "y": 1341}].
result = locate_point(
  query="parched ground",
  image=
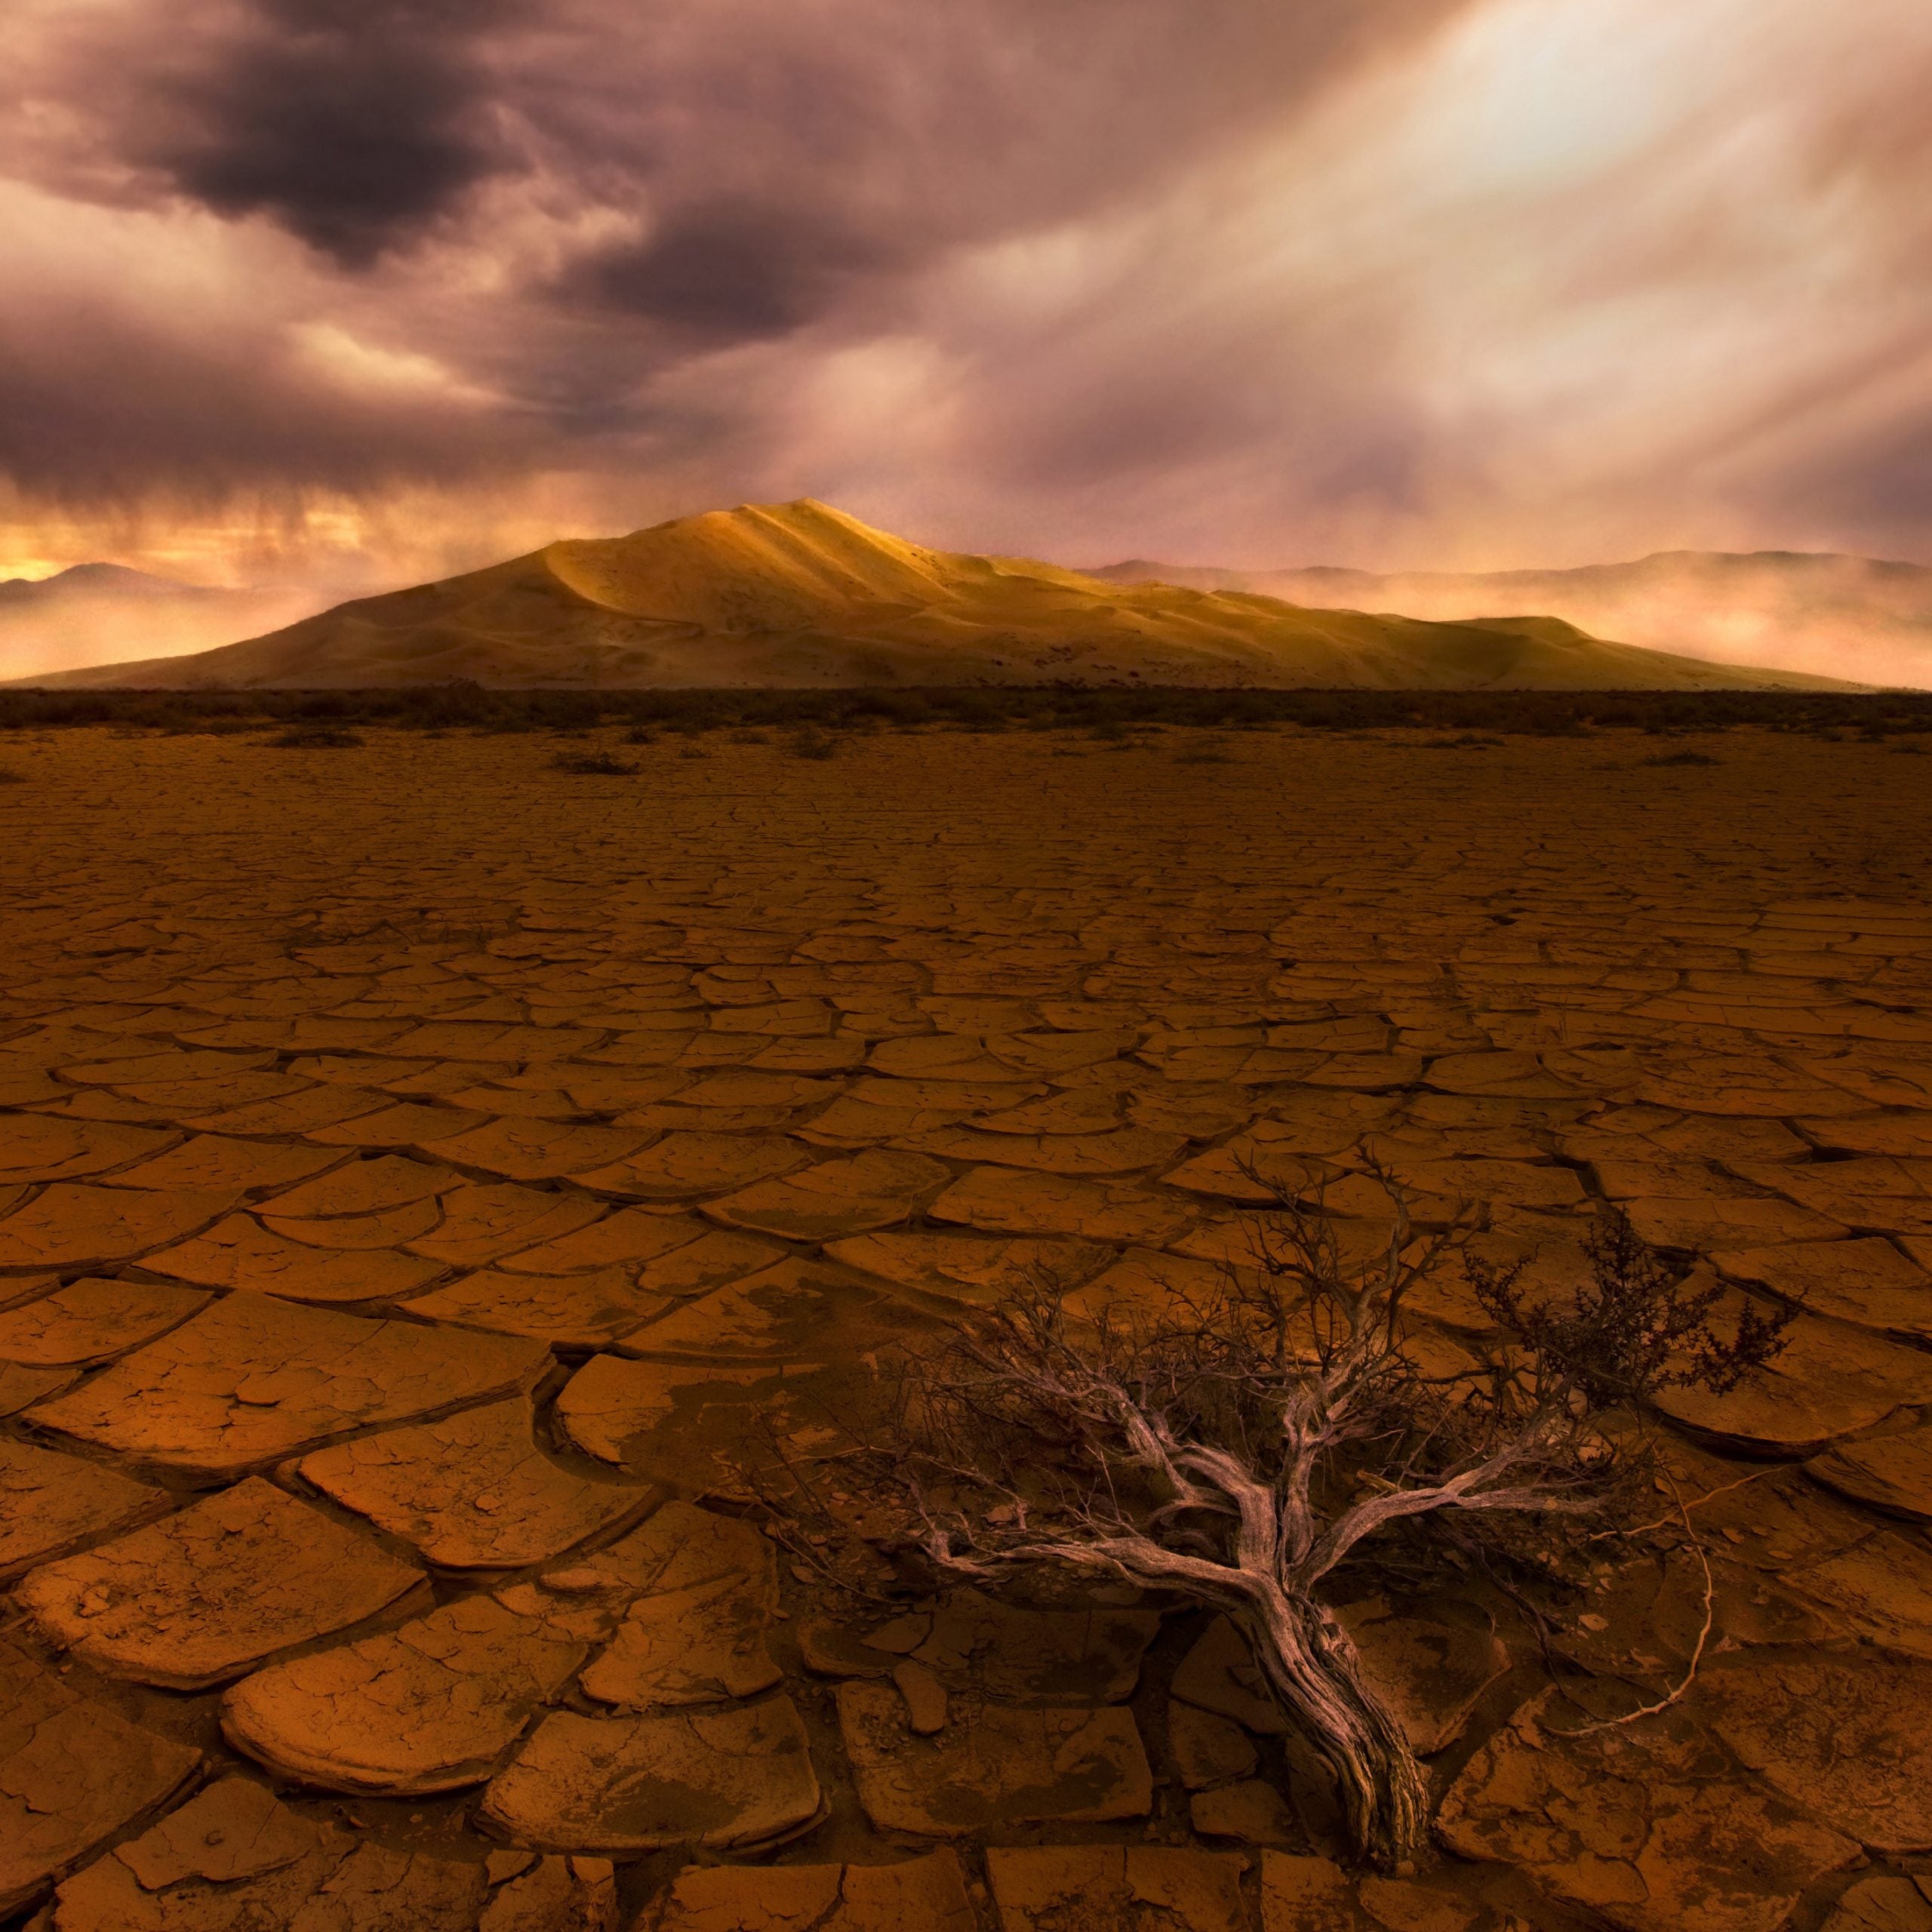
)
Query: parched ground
[{"x": 425, "y": 1173}]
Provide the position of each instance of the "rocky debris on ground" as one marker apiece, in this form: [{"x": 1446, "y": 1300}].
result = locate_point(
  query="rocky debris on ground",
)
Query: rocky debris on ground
[
  {"x": 1098, "y": 1888},
  {"x": 923, "y": 1894},
  {"x": 1845, "y": 1736},
  {"x": 1892, "y": 1472},
  {"x": 1253, "y": 1812},
  {"x": 1883, "y": 1904},
  {"x": 703, "y": 1592},
  {"x": 75, "y": 1224},
  {"x": 213, "y": 1589},
  {"x": 239, "y": 1252},
  {"x": 91, "y": 1322},
  {"x": 701, "y": 1426},
  {"x": 973, "y": 1643},
  {"x": 433, "y": 1706},
  {"x": 1218, "y": 1675},
  {"x": 1429, "y": 1670},
  {"x": 254, "y": 1379},
  {"x": 472, "y": 1491},
  {"x": 51, "y": 1503},
  {"x": 1649, "y": 1825},
  {"x": 730, "y": 1780},
  {"x": 73, "y": 1774},
  {"x": 569, "y": 1311},
  {"x": 234, "y": 1859},
  {"x": 992, "y": 1766},
  {"x": 1207, "y": 1749}
]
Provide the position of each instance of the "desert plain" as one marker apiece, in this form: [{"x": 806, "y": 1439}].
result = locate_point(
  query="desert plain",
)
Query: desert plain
[{"x": 427, "y": 1174}]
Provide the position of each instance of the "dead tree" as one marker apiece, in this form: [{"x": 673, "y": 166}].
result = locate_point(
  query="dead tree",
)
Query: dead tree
[{"x": 1236, "y": 1449}]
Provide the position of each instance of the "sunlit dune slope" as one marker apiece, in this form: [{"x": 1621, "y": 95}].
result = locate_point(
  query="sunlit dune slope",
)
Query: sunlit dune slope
[
  {"x": 1856, "y": 617},
  {"x": 800, "y": 594}
]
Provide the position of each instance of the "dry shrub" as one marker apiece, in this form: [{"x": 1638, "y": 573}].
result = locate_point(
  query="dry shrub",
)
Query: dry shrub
[
  {"x": 593, "y": 764},
  {"x": 316, "y": 738},
  {"x": 1238, "y": 1449}
]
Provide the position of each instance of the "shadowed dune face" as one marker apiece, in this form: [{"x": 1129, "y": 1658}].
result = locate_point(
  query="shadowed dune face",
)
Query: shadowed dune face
[{"x": 798, "y": 594}]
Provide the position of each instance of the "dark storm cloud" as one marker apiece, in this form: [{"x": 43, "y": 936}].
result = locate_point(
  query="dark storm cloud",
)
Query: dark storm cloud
[
  {"x": 732, "y": 270},
  {"x": 209, "y": 412},
  {"x": 633, "y": 187},
  {"x": 353, "y": 123}
]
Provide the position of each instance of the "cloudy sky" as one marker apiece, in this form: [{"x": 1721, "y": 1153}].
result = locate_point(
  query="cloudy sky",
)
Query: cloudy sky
[{"x": 352, "y": 291}]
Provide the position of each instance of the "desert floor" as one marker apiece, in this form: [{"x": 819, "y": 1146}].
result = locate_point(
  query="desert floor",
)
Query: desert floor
[{"x": 422, "y": 1168}]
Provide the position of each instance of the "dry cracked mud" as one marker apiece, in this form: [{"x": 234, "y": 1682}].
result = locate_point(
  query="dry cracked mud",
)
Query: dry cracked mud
[{"x": 429, "y": 1182}]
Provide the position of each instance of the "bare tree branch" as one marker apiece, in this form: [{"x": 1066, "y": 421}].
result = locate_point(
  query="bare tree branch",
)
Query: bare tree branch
[{"x": 1235, "y": 1446}]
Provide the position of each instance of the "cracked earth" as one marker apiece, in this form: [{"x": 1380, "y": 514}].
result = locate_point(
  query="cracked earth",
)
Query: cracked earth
[{"x": 424, "y": 1172}]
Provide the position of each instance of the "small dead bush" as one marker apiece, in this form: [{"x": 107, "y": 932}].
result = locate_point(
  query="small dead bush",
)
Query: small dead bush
[
  {"x": 1682, "y": 758},
  {"x": 593, "y": 764},
  {"x": 1238, "y": 1450},
  {"x": 316, "y": 738}
]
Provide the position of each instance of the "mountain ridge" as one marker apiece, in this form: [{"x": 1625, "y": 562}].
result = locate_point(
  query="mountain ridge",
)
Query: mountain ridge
[
  {"x": 1869, "y": 618},
  {"x": 96, "y": 580},
  {"x": 800, "y": 594}
]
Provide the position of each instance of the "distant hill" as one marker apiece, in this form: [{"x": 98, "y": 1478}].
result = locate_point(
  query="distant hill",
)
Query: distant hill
[
  {"x": 799, "y": 595},
  {"x": 98, "y": 613},
  {"x": 1851, "y": 617},
  {"x": 23, "y": 593}
]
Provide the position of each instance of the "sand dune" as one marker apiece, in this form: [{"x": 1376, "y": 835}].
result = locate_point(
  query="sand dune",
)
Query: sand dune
[
  {"x": 1855, "y": 617},
  {"x": 800, "y": 594}
]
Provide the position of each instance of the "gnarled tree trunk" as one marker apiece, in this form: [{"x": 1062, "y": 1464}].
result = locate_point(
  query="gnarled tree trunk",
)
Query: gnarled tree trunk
[{"x": 1310, "y": 1663}]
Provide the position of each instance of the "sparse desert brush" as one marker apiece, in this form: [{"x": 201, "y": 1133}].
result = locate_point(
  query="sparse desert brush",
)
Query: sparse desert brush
[
  {"x": 593, "y": 764},
  {"x": 1682, "y": 758},
  {"x": 1108, "y": 711},
  {"x": 1467, "y": 741},
  {"x": 316, "y": 738},
  {"x": 8, "y": 776},
  {"x": 640, "y": 734},
  {"x": 811, "y": 744},
  {"x": 1238, "y": 1449}
]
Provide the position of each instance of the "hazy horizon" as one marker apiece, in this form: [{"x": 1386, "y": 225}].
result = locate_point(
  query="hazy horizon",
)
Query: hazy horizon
[{"x": 1869, "y": 620}]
